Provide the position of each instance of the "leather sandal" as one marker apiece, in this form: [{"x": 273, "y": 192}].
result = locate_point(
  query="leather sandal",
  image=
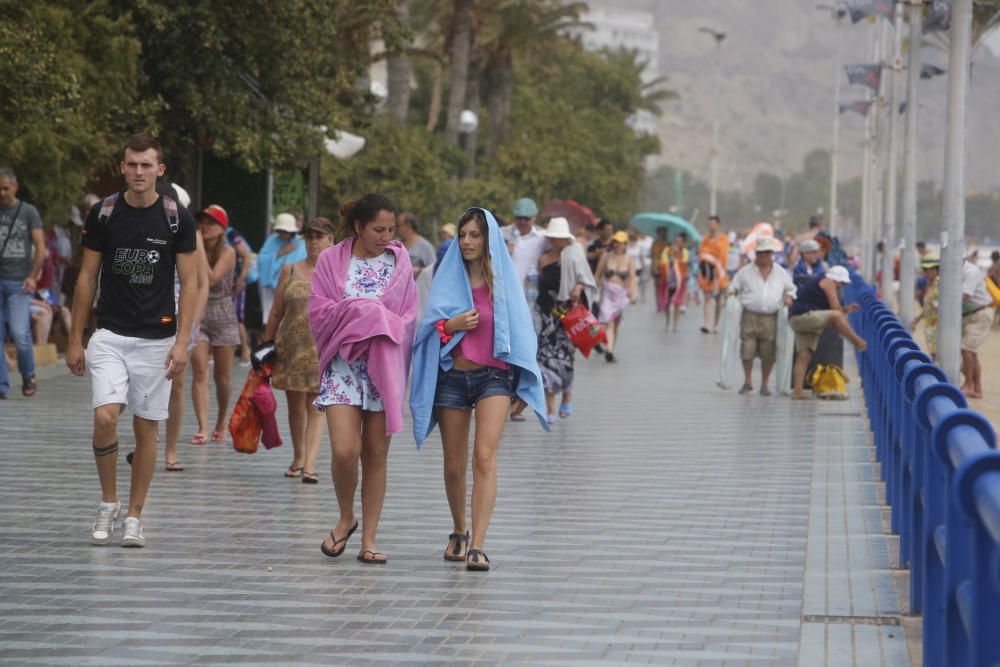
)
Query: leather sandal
[
  {"x": 477, "y": 561},
  {"x": 457, "y": 553}
]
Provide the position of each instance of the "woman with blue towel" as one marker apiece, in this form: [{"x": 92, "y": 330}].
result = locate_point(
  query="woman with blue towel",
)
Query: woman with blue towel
[{"x": 474, "y": 352}]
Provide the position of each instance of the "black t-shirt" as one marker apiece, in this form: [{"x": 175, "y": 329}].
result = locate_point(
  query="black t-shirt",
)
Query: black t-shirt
[
  {"x": 597, "y": 244},
  {"x": 138, "y": 251}
]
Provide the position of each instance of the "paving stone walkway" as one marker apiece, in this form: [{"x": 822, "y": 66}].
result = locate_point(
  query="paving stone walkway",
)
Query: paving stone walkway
[{"x": 666, "y": 522}]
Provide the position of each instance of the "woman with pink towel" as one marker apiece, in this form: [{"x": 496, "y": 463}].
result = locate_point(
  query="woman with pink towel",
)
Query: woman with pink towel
[{"x": 362, "y": 312}]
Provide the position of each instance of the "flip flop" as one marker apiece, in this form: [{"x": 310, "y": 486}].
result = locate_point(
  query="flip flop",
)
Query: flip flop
[
  {"x": 517, "y": 418},
  {"x": 294, "y": 472},
  {"x": 565, "y": 410},
  {"x": 199, "y": 439},
  {"x": 481, "y": 562},
  {"x": 333, "y": 553},
  {"x": 310, "y": 478},
  {"x": 364, "y": 558},
  {"x": 174, "y": 466},
  {"x": 219, "y": 436},
  {"x": 456, "y": 553}
]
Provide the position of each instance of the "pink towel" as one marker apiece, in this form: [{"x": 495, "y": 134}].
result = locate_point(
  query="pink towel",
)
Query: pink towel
[
  {"x": 263, "y": 399},
  {"x": 380, "y": 330}
]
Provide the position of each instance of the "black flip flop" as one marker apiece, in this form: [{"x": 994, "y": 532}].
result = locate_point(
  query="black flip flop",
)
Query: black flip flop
[
  {"x": 310, "y": 478},
  {"x": 174, "y": 466},
  {"x": 456, "y": 553},
  {"x": 333, "y": 553},
  {"x": 363, "y": 557},
  {"x": 294, "y": 472},
  {"x": 481, "y": 564}
]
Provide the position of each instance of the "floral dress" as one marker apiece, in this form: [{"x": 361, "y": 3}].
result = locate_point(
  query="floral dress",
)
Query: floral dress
[
  {"x": 555, "y": 350},
  {"x": 931, "y": 303},
  {"x": 346, "y": 383},
  {"x": 296, "y": 367}
]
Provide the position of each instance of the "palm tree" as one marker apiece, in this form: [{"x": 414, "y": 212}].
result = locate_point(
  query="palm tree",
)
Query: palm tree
[
  {"x": 399, "y": 70},
  {"x": 509, "y": 27},
  {"x": 461, "y": 46}
]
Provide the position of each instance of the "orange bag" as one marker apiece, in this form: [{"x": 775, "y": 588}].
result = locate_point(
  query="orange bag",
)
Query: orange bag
[
  {"x": 245, "y": 424},
  {"x": 583, "y": 329}
]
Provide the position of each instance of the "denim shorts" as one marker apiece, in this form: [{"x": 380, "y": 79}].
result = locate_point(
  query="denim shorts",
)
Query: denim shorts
[{"x": 463, "y": 389}]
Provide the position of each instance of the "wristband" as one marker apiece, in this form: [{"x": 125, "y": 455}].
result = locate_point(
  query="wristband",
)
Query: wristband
[{"x": 445, "y": 337}]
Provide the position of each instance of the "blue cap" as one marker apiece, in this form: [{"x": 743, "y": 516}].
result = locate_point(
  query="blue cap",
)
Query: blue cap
[{"x": 525, "y": 208}]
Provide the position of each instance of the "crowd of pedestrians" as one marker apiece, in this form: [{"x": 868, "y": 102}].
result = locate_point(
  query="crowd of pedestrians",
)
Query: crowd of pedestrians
[{"x": 480, "y": 317}]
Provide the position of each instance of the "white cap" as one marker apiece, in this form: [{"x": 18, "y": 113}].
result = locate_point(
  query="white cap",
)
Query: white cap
[
  {"x": 558, "y": 229},
  {"x": 766, "y": 244},
  {"x": 838, "y": 274},
  {"x": 810, "y": 245},
  {"x": 285, "y": 222}
]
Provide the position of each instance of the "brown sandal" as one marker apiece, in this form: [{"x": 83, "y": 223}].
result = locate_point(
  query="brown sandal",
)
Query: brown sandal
[{"x": 458, "y": 553}]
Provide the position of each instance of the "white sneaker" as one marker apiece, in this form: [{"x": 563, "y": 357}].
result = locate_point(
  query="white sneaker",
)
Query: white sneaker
[
  {"x": 132, "y": 533},
  {"x": 104, "y": 524}
]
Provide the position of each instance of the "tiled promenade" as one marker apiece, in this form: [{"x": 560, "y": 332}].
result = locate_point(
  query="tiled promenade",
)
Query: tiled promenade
[{"x": 667, "y": 522}]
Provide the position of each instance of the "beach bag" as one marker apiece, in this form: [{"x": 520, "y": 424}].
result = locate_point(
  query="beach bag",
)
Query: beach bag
[
  {"x": 583, "y": 329},
  {"x": 730, "y": 365},
  {"x": 785, "y": 352},
  {"x": 829, "y": 381},
  {"x": 263, "y": 399},
  {"x": 994, "y": 290},
  {"x": 245, "y": 423}
]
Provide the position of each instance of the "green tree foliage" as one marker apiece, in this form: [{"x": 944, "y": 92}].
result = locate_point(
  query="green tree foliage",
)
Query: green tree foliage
[{"x": 67, "y": 78}]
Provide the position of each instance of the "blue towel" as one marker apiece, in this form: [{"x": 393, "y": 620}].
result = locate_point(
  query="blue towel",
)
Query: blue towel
[
  {"x": 269, "y": 264},
  {"x": 514, "y": 339}
]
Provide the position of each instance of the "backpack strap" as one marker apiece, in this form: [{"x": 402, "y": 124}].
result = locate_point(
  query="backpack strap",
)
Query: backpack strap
[
  {"x": 107, "y": 208},
  {"x": 170, "y": 208}
]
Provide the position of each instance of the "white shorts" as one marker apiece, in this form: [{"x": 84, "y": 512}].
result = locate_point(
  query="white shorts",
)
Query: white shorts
[{"x": 130, "y": 371}]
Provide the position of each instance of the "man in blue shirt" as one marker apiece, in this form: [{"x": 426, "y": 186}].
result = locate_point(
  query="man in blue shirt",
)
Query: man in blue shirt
[
  {"x": 283, "y": 246},
  {"x": 811, "y": 264}
]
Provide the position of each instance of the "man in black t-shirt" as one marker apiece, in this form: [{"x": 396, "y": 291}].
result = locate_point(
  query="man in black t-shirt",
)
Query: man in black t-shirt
[
  {"x": 134, "y": 241},
  {"x": 600, "y": 245}
]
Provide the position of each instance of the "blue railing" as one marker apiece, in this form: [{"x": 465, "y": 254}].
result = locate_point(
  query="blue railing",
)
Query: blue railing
[{"x": 942, "y": 478}]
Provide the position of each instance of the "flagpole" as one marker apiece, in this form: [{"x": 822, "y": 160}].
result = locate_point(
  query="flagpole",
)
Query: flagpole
[
  {"x": 953, "y": 210},
  {"x": 838, "y": 15},
  {"x": 908, "y": 258},
  {"x": 867, "y": 177},
  {"x": 878, "y": 137},
  {"x": 889, "y": 221}
]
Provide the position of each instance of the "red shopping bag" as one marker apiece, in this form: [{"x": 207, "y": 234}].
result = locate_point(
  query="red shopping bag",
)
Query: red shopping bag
[
  {"x": 244, "y": 424},
  {"x": 583, "y": 329}
]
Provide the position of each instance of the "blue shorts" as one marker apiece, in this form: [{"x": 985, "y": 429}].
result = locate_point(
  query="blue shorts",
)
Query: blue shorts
[{"x": 464, "y": 389}]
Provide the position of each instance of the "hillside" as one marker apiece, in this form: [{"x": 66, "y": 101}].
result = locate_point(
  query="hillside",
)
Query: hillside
[{"x": 778, "y": 61}]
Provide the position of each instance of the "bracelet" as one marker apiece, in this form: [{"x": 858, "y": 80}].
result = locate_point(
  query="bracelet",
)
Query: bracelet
[{"x": 445, "y": 337}]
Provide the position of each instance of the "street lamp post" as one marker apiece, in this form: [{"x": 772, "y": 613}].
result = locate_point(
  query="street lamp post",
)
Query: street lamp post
[
  {"x": 889, "y": 221},
  {"x": 953, "y": 235},
  {"x": 718, "y": 37},
  {"x": 908, "y": 258},
  {"x": 838, "y": 15}
]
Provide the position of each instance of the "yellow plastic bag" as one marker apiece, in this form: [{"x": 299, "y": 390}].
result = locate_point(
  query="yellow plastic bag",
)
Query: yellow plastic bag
[{"x": 830, "y": 381}]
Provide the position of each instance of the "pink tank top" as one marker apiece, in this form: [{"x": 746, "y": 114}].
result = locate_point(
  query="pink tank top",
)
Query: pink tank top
[{"x": 477, "y": 345}]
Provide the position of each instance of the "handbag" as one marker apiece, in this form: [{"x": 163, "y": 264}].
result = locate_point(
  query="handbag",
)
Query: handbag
[
  {"x": 583, "y": 329},
  {"x": 245, "y": 423}
]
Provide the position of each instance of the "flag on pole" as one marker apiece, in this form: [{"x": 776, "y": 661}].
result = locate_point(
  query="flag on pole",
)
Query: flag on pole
[
  {"x": 862, "y": 9},
  {"x": 928, "y": 71},
  {"x": 938, "y": 18},
  {"x": 861, "y": 107},
  {"x": 864, "y": 75}
]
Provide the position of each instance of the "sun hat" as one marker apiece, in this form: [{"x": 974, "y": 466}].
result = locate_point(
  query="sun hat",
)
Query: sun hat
[
  {"x": 525, "y": 208},
  {"x": 216, "y": 214},
  {"x": 810, "y": 245},
  {"x": 930, "y": 262},
  {"x": 619, "y": 237},
  {"x": 318, "y": 225},
  {"x": 558, "y": 229},
  {"x": 285, "y": 222},
  {"x": 765, "y": 244},
  {"x": 838, "y": 274}
]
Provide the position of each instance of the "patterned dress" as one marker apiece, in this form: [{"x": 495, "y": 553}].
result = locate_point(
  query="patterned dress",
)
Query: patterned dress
[
  {"x": 931, "y": 303},
  {"x": 555, "y": 350},
  {"x": 296, "y": 367},
  {"x": 346, "y": 383}
]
